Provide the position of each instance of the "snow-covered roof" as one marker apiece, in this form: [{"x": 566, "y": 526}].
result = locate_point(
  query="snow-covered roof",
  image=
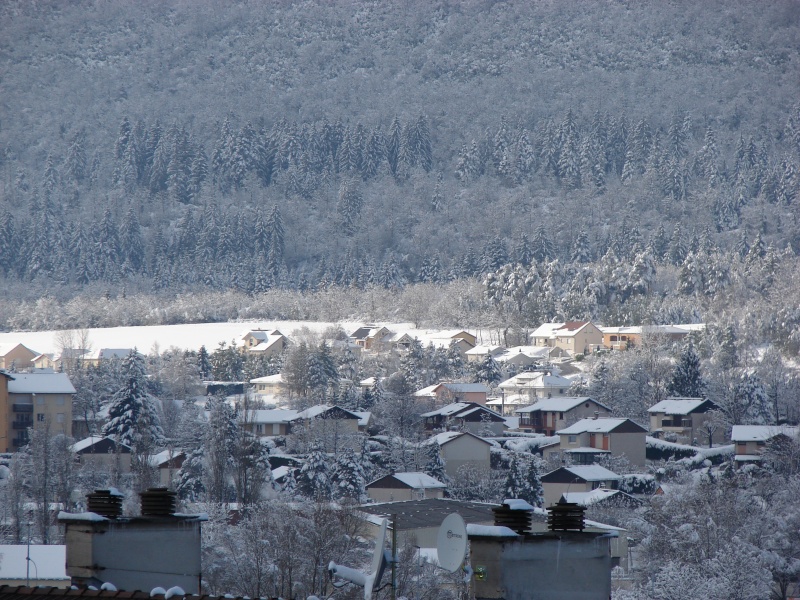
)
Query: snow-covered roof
[
  {"x": 512, "y": 422},
  {"x": 320, "y": 409},
  {"x": 601, "y": 425},
  {"x": 570, "y": 328},
  {"x": 109, "y": 353},
  {"x": 363, "y": 417},
  {"x": 418, "y": 480},
  {"x": 165, "y": 456},
  {"x": 676, "y": 406},
  {"x": 40, "y": 383},
  {"x": 593, "y": 473},
  {"x": 275, "y": 415},
  {"x": 536, "y": 380},
  {"x": 588, "y": 498},
  {"x": 268, "y": 379},
  {"x": 7, "y": 347},
  {"x": 546, "y": 330},
  {"x": 50, "y": 562},
  {"x": 280, "y": 472},
  {"x": 585, "y": 450},
  {"x": 510, "y": 400},
  {"x": 477, "y": 530},
  {"x": 448, "y": 436},
  {"x": 448, "y": 410},
  {"x": 761, "y": 433},
  {"x": 563, "y": 404},
  {"x": 426, "y": 391},
  {"x": 90, "y": 441},
  {"x": 465, "y": 388},
  {"x": 484, "y": 350}
]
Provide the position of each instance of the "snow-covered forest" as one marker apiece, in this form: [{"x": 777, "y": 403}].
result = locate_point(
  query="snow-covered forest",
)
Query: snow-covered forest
[{"x": 475, "y": 164}]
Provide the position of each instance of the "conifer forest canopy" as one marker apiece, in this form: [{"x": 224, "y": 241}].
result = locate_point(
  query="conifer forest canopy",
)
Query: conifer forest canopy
[{"x": 619, "y": 159}]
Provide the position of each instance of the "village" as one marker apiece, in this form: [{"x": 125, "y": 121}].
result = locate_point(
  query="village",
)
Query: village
[{"x": 444, "y": 425}]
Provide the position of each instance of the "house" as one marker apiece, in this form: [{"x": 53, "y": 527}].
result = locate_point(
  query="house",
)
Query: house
[
  {"x": 270, "y": 385},
  {"x": 368, "y": 336},
  {"x": 405, "y": 486},
  {"x": 276, "y": 421},
  {"x": 455, "y": 392},
  {"x": 588, "y": 438},
  {"x": 46, "y": 361},
  {"x": 95, "y": 357},
  {"x": 264, "y": 342},
  {"x": 479, "y": 353},
  {"x": 523, "y": 357},
  {"x": 621, "y": 338},
  {"x": 551, "y": 414},
  {"x": 752, "y": 440},
  {"x": 458, "y": 449},
  {"x": 575, "y": 337},
  {"x": 465, "y": 416},
  {"x": 537, "y": 384},
  {"x": 49, "y": 561},
  {"x": 104, "y": 453},
  {"x": 168, "y": 462},
  {"x": 577, "y": 478},
  {"x": 420, "y": 519},
  {"x": 327, "y": 412},
  {"x": 37, "y": 399},
  {"x": 14, "y": 357},
  {"x": 686, "y": 419}
]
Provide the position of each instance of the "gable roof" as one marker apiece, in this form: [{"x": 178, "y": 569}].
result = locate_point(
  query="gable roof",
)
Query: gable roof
[
  {"x": 546, "y": 330},
  {"x": 7, "y": 347},
  {"x": 449, "y": 409},
  {"x": 761, "y": 433},
  {"x": 412, "y": 480},
  {"x": 562, "y": 404},
  {"x": 99, "y": 444},
  {"x": 602, "y": 425},
  {"x": 268, "y": 379},
  {"x": 448, "y": 436},
  {"x": 429, "y": 513},
  {"x": 326, "y": 411},
  {"x": 571, "y": 328},
  {"x": 580, "y": 473},
  {"x": 681, "y": 406},
  {"x": 598, "y": 495}
]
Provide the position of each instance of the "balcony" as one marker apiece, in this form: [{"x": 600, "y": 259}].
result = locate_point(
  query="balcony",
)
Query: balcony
[
  {"x": 18, "y": 442},
  {"x": 21, "y": 424},
  {"x": 22, "y": 408}
]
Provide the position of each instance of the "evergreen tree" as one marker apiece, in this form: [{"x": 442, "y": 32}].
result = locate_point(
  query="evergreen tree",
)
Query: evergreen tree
[
  {"x": 348, "y": 478},
  {"x": 203, "y": 363},
  {"x": 314, "y": 480},
  {"x": 687, "y": 380},
  {"x": 434, "y": 465},
  {"x": 132, "y": 415},
  {"x": 488, "y": 371},
  {"x": 190, "y": 484}
]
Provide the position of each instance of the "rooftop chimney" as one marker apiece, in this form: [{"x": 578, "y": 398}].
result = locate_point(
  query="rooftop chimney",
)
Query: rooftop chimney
[
  {"x": 565, "y": 516},
  {"x": 106, "y": 503},
  {"x": 596, "y": 414},
  {"x": 517, "y": 519},
  {"x": 158, "y": 502}
]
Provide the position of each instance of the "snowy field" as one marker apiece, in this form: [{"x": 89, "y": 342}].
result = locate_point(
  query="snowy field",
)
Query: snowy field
[{"x": 187, "y": 337}]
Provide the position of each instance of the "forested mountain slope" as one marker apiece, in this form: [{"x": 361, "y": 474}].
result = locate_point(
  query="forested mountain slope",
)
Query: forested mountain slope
[{"x": 180, "y": 146}]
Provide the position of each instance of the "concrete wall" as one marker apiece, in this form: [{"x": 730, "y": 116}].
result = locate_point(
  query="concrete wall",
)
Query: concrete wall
[
  {"x": 137, "y": 555},
  {"x": 553, "y": 491},
  {"x": 465, "y": 450},
  {"x": 632, "y": 445},
  {"x": 563, "y": 566}
]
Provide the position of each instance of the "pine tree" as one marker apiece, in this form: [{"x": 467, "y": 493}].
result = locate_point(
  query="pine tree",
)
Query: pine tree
[
  {"x": 132, "y": 415},
  {"x": 314, "y": 480},
  {"x": 435, "y": 465},
  {"x": 190, "y": 484},
  {"x": 348, "y": 478},
  {"x": 488, "y": 371},
  {"x": 687, "y": 380}
]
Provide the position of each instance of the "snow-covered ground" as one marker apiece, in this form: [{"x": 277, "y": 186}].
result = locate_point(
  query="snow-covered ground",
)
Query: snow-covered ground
[{"x": 188, "y": 337}]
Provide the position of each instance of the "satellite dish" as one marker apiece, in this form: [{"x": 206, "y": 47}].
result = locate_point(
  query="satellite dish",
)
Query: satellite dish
[
  {"x": 380, "y": 558},
  {"x": 451, "y": 543}
]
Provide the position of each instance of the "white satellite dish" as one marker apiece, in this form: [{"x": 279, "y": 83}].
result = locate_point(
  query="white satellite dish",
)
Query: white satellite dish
[
  {"x": 380, "y": 559},
  {"x": 451, "y": 543}
]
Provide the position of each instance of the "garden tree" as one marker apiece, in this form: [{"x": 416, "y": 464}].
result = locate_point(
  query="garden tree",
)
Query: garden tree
[
  {"x": 687, "y": 380},
  {"x": 314, "y": 480},
  {"x": 219, "y": 448},
  {"x": 251, "y": 469},
  {"x": 775, "y": 376},
  {"x": 348, "y": 478},
  {"x": 741, "y": 398},
  {"x": 190, "y": 485},
  {"x": 488, "y": 371},
  {"x": 203, "y": 363},
  {"x": 226, "y": 363},
  {"x": 13, "y": 493},
  {"x": 322, "y": 372},
  {"x": 523, "y": 479},
  {"x": 478, "y": 485},
  {"x": 434, "y": 465},
  {"x": 397, "y": 413},
  {"x": 295, "y": 371},
  {"x": 133, "y": 419}
]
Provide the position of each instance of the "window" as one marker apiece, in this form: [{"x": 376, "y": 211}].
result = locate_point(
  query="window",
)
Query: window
[
  {"x": 573, "y": 439},
  {"x": 561, "y": 416},
  {"x": 613, "y": 338},
  {"x": 60, "y": 418},
  {"x": 40, "y": 417}
]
